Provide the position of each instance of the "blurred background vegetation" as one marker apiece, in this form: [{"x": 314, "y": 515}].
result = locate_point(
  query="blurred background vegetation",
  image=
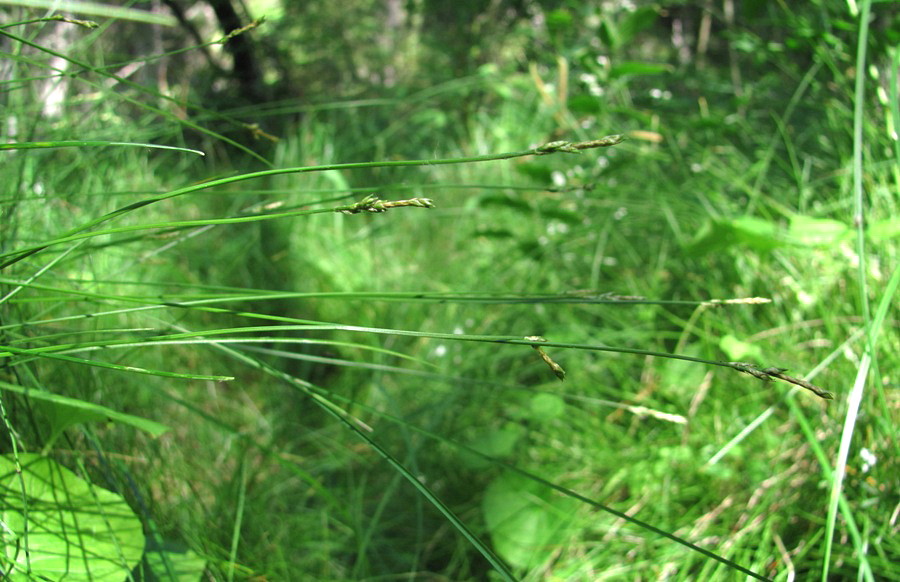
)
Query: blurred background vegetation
[{"x": 739, "y": 177}]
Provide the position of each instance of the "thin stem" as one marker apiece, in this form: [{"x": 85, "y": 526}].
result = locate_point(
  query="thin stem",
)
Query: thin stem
[
  {"x": 855, "y": 397},
  {"x": 17, "y": 255}
]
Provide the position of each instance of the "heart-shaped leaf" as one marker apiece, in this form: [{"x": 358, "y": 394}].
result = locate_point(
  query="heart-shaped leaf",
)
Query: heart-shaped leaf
[{"x": 56, "y": 526}]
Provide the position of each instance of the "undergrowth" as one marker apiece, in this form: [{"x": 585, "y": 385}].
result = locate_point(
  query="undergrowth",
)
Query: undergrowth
[{"x": 297, "y": 363}]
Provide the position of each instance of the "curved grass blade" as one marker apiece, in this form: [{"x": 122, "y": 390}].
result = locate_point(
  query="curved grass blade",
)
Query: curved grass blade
[
  {"x": 139, "y": 88},
  {"x": 855, "y": 397},
  {"x": 33, "y": 145},
  {"x": 98, "y": 9},
  {"x": 44, "y": 353},
  {"x": 347, "y": 420},
  {"x": 342, "y": 416},
  {"x": 559, "y": 488},
  {"x": 147, "y": 425},
  {"x": 222, "y": 294},
  {"x": 12, "y": 257}
]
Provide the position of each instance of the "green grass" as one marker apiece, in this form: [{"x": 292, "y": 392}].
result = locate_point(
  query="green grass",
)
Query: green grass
[{"x": 352, "y": 396}]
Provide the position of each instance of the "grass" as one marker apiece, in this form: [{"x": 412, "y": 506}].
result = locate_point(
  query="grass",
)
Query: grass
[{"x": 387, "y": 416}]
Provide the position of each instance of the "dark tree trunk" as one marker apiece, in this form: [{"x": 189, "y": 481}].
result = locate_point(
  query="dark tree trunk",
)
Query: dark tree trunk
[
  {"x": 247, "y": 69},
  {"x": 246, "y": 66}
]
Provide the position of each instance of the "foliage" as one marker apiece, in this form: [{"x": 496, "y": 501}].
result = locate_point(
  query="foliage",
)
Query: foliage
[
  {"x": 66, "y": 528},
  {"x": 283, "y": 360}
]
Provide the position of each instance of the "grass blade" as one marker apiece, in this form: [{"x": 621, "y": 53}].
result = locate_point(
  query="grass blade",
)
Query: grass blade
[{"x": 856, "y": 394}]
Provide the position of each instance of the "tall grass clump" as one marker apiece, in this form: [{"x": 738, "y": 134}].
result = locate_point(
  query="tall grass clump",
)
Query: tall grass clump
[{"x": 382, "y": 336}]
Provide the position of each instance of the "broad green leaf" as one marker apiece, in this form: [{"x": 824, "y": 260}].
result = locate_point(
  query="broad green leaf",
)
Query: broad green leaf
[
  {"x": 57, "y": 526},
  {"x": 69, "y": 411},
  {"x": 527, "y": 522},
  {"x": 756, "y": 233},
  {"x": 883, "y": 230},
  {"x": 60, "y": 416},
  {"x": 808, "y": 231},
  {"x": 744, "y": 232}
]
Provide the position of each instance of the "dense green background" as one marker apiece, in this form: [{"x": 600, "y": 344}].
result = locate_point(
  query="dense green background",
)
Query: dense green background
[{"x": 761, "y": 160}]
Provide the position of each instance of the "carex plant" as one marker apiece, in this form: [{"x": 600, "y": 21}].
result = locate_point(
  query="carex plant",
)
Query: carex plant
[{"x": 103, "y": 337}]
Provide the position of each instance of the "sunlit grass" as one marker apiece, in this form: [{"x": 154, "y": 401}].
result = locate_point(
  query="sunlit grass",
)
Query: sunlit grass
[{"x": 387, "y": 413}]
